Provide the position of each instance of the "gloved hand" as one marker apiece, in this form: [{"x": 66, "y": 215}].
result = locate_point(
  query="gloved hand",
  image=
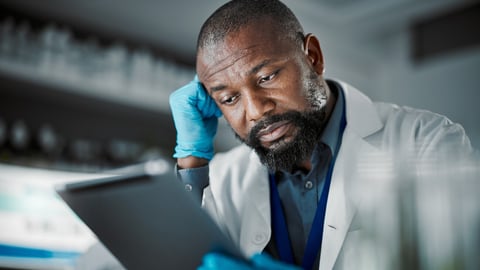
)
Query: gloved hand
[
  {"x": 259, "y": 261},
  {"x": 195, "y": 115}
]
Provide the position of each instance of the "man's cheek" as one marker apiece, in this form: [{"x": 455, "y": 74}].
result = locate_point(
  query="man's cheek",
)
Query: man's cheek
[{"x": 240, "y": 129}]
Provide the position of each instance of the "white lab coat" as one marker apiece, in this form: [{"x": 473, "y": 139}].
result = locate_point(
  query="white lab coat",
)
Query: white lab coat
[{"x": 379, "y": 140}]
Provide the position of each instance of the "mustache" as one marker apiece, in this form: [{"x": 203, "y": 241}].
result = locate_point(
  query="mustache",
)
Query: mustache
[{"x": 252, "y": 137}]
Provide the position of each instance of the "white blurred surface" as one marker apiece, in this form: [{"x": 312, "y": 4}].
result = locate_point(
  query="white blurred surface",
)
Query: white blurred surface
[{"x": 33, "y": 216}]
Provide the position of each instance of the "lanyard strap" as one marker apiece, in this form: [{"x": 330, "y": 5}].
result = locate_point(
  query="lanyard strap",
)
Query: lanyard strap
[
  {"x": 279, "y": 225},
  {"x": 280, "y": 231}
]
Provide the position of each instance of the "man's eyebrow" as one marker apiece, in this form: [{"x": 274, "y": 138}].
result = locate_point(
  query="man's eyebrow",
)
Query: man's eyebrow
[
  {"x": 258, "y": 67},
  {"x": 218, "y": 88}
]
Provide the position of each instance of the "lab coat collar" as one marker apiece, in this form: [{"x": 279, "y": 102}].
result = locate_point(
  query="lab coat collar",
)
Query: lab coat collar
[{"x": 362, "y": 116}]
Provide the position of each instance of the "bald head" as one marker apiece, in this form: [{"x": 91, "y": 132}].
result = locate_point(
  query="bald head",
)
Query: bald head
[{"x": 237, "y": 14}]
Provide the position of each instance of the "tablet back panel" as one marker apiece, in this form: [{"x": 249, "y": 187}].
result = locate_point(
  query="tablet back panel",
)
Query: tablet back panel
[{"x": 147, "y": 222}]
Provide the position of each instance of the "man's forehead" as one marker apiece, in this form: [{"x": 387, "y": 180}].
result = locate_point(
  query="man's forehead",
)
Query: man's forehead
[
  {"x": 210, "y": 62},
  {"x": 243, "y": 47}
]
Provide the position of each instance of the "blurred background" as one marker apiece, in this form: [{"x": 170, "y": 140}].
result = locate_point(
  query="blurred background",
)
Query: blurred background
[{"x": 84, "y": 89}]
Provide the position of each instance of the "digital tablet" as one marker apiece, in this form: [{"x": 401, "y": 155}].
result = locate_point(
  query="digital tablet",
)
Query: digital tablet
[{"x": 147, "y": 221}]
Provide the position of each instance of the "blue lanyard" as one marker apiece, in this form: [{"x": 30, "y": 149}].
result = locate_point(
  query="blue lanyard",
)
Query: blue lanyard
[{"x": 279, "y": 225}]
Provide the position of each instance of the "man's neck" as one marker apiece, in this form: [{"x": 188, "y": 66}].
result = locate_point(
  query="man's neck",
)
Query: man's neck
[{"x": 305, "y": 166}]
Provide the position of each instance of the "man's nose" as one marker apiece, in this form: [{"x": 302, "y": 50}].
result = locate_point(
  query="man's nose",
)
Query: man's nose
[{"x": 257, "y": 104}]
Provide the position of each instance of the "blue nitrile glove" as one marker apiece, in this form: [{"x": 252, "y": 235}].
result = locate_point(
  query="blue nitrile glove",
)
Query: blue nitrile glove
[
  {"x": 259, "y": 261},
  {"x": 196, "y": 119}
]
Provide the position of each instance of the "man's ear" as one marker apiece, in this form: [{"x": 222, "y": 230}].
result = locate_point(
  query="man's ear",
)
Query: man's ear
[{"x": 314, "y": 53}]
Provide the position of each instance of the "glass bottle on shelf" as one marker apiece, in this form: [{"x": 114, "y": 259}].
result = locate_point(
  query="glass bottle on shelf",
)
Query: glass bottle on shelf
[
  {"x": 19, "y": 135},
  {"x": 6, "y": 39}
]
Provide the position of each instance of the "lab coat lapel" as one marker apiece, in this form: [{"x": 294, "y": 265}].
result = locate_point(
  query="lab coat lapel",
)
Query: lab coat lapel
[
  {"x": 362, "y": 121},
  {"x": 257, "y": 231},
  {"x": 341, "y": 207}
]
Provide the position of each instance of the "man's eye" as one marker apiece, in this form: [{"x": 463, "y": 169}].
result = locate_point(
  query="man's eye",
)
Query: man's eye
[
  {"x": 228, "y": 100},
  {"x": 268, "y": 78}
]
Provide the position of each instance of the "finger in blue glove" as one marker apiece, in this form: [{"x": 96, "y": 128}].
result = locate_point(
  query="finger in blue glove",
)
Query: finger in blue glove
[
  {"x": 259, "y": 261},
  {"x": 217, "y": 261},
  {"x": 264, "y": 261}
]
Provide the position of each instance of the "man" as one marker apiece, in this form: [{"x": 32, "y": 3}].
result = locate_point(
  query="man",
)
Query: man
[{"x": 290, "y": 190}]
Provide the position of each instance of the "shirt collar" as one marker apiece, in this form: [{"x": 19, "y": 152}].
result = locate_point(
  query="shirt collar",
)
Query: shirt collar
[{"x": 331, "y": 134}]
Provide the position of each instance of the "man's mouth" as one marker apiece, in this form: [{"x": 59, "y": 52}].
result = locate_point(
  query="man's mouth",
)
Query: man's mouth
[{"x": 274, "y": 132}]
